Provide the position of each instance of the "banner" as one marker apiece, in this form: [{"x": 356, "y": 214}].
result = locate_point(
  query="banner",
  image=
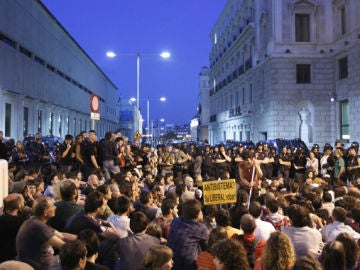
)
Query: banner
[{"x": 219, "y": 192}]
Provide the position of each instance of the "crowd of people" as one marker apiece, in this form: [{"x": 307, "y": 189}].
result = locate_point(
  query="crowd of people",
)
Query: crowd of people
[{"x": 115, "y": 204}]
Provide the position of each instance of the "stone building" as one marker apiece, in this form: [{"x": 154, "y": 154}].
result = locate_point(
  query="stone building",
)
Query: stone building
[
  {"x": 286, "y": 69},
  {"x": 46, "y": 78}
]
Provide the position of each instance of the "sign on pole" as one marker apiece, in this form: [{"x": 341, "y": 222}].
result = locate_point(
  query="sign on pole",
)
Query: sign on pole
[
  {"x": 219, "y": 192},
  {"x": 137, "y": 135},
  {"x": 95, "y": 116}
]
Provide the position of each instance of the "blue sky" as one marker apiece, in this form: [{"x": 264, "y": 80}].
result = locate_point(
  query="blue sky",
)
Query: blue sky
[{"x": 147, "y": 27}]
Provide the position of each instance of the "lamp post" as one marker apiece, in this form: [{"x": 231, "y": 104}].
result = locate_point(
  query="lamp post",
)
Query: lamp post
[{"x": 112, "y": 54}]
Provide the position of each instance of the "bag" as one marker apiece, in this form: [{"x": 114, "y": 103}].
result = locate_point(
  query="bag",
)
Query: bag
[{"x": 250, "y": 248}]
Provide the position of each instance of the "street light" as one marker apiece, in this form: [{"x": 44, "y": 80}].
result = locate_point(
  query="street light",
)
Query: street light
[{"x": 112, "y": 54}]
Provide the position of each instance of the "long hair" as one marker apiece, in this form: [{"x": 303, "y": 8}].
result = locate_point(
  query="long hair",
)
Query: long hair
[
  {"x": 231, "y": 254},
  {"x": 278, "y": 253}
]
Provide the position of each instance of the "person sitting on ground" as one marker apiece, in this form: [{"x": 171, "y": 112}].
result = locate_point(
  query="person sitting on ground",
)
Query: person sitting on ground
[
  {"x": 105, "y": 190},
  {"x": 331, "y": 231},
  {"x": 302, "y": 234},
  {"x": 73, "y": 255},
  {"x": 278, "y": 253},
  {"x": 67, "y": 206},
  {"x": 307, "y": 263},
  {"x": 205, "y": 260},
  {"x": 145, "y": 205},
  {"x": 333, "y": 256},
  {"x": 10, "y": 223},
  {"x": 91, "y": 240},
  {"x": 121, "y": 207},
  {"x": 355, "y": 214},
  {"x": 351, "y": 249},
  {"x": 223, "y": 219},
  {"x": 158, "y": 257},
  {"x": 263, "y": 229},
  {"x": 239, "y": 209},
  {"x": 87, "y": 219},
  {"x": 132, "y": 249},
  {"x": 35, "y": 240},
  {"x": 169, "y": 211},
  {"x": 188, "y": 236},
  {"x": 229, "y": 255},
  {"x": 276, "y": 219},
  {"x": 249, "y": 240},
  {"x": 92, "y": 183}
]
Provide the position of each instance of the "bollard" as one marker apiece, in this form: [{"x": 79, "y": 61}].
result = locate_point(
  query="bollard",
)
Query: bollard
[{"x": 4, "y": 177}]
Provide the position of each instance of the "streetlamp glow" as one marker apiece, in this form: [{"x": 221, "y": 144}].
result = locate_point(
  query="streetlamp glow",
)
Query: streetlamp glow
[
  {"x": 164, "y": 55},
  {"x": 110, "y": 54}
]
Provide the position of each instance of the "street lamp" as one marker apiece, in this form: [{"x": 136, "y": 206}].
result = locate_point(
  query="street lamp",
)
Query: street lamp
[{"x": 112, "y": 54}]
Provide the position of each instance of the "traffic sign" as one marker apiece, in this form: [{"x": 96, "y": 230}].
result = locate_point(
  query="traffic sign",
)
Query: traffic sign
[
  {"x": 95, "y": 116},
  {"x": 137, "y": 135},
  {"x": 94, "y": 103}
]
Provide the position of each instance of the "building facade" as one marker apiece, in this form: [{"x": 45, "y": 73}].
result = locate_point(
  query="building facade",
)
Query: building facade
[
  {"x": 46, "y": 78},
  {"x": 285, "y": 69}
]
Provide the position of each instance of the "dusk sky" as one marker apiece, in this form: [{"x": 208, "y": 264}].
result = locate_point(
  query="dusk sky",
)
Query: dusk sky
[{"x": 181, "y": 27}]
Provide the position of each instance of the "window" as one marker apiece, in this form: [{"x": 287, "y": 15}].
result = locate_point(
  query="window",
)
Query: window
[
  {"x": 39, "y": 121},
  {"x": 26, "y": 121},
  {"x": 247, "y": 135},
  {"x": 303, "y": 73},
  {"x": 67, "y": 125},
  {"x": 343, "y": 20},
  {"x": 60, "y": 125},
  {"x": 224, "y": 135},
  {"x": 344, "y": 120},
  {"x": 302, "y": 27},
  {"x": 74, "y": 125},
  {"x": 240, "y": 136},
  {"x": 343, "y": 68},
  {"x": 243, "y": 96},
  {"x": 251, "y": 93},
  {"x": 51, "y": 123},
  {"x": 7, "y": 120}
]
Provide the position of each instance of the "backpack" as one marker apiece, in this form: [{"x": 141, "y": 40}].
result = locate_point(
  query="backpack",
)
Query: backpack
[{"x": 250, "y": 248}]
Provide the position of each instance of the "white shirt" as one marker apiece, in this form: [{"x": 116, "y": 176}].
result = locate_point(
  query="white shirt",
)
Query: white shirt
[
  {"x": 332, "y": 230},
  {"x": 263, "y": 229}
]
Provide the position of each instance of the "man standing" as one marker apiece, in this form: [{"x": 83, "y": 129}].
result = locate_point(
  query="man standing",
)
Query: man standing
[
  {"x": 188, "y": 236},
  {"x": 109, "y": 153},
  {"x": 167, "y": 160},
  {"x": 91, "y": 154},
  {"x": 67, "y": 153},
  {"x": 37, "y": 150}
]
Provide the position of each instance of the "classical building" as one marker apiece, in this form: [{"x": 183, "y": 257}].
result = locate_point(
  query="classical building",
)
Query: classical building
[
  {"x": 286, "y": 68},
  {"x": 46, "y": 78}
]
